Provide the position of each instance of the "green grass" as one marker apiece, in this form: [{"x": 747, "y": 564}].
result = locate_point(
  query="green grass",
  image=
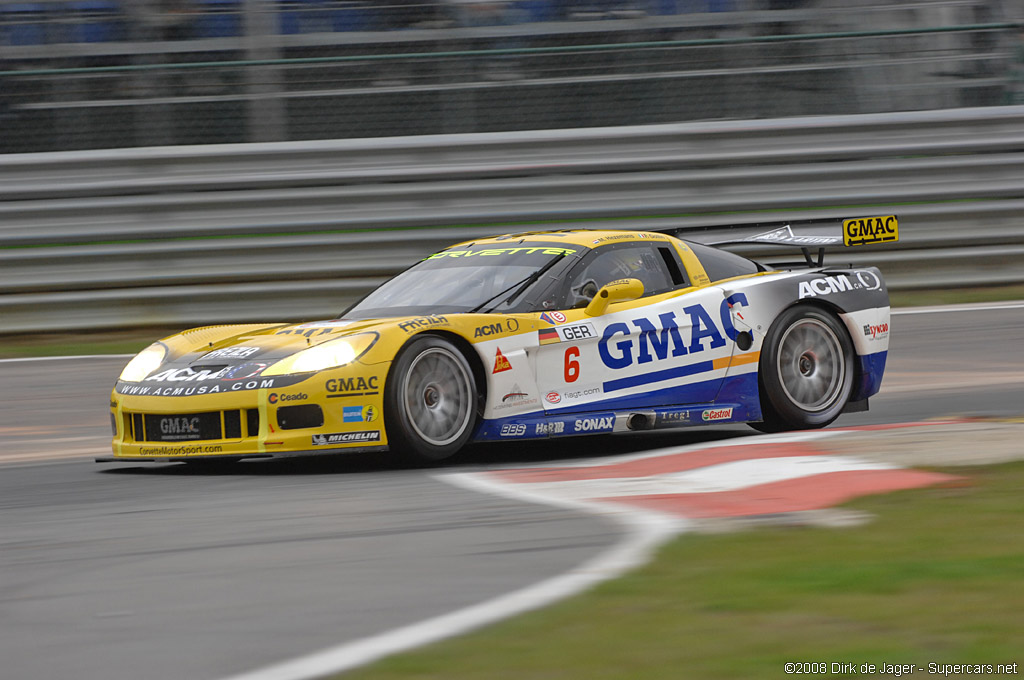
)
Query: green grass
[
  {"x": 938, "y": 577},
  {"x": 956, "y": 296},
  {"x": 70, "y": 344}
]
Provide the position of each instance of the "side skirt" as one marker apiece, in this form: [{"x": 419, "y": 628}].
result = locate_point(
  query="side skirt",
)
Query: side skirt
[{"x": 541, "y": 426}]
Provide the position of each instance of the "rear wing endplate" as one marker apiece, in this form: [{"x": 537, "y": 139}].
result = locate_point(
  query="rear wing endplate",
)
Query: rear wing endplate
[{"x": 805, "y": 235}]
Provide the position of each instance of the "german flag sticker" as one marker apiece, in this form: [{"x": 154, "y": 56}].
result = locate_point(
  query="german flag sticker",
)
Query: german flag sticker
[
  {"x": 862, "y": 230},
  {"x": 547, "y": 336}
]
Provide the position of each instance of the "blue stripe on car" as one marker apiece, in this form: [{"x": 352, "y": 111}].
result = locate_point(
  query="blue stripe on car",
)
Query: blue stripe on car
[{"x": 659, "y": 376}]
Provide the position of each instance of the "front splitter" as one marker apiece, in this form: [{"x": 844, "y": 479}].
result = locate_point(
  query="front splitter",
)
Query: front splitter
[{"x": 237, "y": 456}]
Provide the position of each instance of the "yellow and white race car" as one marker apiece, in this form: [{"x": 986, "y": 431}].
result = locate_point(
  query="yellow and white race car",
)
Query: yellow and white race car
[{"x": 523, "y": 336}]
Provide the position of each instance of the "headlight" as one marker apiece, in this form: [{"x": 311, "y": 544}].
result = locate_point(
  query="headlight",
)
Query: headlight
[
  {"x": 330, "y": 354},
  {"x": 144, "y": 363}
]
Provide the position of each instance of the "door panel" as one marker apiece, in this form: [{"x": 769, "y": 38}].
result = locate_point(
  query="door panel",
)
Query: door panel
[{"x": 659, "y": 351}]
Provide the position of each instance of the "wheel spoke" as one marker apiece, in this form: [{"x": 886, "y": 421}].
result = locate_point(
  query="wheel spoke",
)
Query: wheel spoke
[
  {"x": 810, "y": 365},
  {"x": 437, "y": 391},
  {"x": 433, "y": 425},
  {"x": 804, "y": 391},
  {"x": 448, "y": 412}
]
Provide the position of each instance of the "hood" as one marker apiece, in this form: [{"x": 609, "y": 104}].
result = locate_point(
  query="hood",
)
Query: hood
[
  {"x": 243, "y": 352},
  {"x": 234, "y": 345}
]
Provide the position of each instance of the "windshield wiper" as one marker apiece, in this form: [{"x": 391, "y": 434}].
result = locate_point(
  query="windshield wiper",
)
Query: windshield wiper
[{"x": 519, "y": 287}]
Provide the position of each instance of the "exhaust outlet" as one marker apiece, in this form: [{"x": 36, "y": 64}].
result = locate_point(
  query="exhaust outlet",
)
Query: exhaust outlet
[{"x": 640, "y": 421}]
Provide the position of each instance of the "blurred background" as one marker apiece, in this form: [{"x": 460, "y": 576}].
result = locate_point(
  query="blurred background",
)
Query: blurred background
[
  {"x": 94, "y": 74},
  {"x": 185, "y": 161}
]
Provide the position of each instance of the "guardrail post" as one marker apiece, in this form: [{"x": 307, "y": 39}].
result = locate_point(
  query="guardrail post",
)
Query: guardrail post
[{"x": 266, "y": 116}]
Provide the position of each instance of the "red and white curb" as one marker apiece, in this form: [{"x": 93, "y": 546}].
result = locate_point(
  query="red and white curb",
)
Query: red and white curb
[
  {"x": 655, "y": 496},
  {"x": 752, "y": 477}
]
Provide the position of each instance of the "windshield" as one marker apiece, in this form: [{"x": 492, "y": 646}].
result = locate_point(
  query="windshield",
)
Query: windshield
[{"x": 477, "y": 277}]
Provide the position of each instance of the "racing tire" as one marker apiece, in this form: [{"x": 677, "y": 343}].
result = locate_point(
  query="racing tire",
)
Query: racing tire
[
  {"x": 806, "y": 371},
  {"x": 431, "y": 401}
]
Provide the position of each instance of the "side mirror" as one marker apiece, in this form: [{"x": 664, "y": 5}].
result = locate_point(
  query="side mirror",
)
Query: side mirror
[{"x": 622, "y": 290}]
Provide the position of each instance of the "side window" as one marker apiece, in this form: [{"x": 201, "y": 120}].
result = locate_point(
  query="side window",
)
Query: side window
[
  {"x": 629, "y": 261},
  {"x": 720, "y": 264},
  {"x": 675, "y": 266}
]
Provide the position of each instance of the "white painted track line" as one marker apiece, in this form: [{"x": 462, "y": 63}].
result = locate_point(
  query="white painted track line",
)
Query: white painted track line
[
  {"x": 67, "y": 358},
  {"x": 712, "y": 479},
  {"x": 956, "y": 309},
  {"x": 646, "y": 531}
]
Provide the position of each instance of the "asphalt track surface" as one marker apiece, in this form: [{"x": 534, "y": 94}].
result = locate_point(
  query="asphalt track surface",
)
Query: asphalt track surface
[{"x": 166, "y": 572}]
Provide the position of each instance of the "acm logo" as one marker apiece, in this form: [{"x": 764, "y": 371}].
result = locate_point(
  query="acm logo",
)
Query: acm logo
[{"x": 509, "y": 326}]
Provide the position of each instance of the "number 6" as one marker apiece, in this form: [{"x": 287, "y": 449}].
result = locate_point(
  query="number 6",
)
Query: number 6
[{"x": 572, "y": 367}]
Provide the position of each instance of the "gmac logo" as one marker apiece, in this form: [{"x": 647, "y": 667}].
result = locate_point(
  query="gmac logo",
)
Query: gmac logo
[
  {"x": 182, "y": 426},
  {"x": 352, "y": 386},
  {"x": 870, "y": 230},
  {"x": 658, "y": 339}
]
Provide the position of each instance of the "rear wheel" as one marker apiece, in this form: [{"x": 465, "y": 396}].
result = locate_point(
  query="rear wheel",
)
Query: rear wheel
[
  {"x": 806, "y": 371},
  {"x": 431, "y": 400}
]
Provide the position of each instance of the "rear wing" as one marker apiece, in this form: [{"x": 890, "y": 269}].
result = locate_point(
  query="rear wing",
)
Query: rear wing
[{"x": 805, "y": 235}]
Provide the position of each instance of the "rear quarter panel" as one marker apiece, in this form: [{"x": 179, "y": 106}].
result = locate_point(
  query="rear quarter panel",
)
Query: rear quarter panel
[{"x": 858, "y": 297}]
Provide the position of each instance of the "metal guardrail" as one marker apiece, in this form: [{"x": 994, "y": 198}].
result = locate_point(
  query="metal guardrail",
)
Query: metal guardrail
[{"x": 178, "y": 236}]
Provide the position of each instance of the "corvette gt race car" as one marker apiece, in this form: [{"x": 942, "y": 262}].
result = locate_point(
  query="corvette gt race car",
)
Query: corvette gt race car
[{"x": 524, "y": 336}]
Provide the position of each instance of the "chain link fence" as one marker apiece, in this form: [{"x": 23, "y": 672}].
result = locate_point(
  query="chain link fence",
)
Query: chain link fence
[{"x": 96, "y": 74}]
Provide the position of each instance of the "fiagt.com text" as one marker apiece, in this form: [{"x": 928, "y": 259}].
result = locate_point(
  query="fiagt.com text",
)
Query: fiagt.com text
[{"x": 898, "y": 670}]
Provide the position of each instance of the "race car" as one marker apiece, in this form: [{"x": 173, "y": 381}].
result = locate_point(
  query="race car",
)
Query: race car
[{"x": 525, "y": 336}]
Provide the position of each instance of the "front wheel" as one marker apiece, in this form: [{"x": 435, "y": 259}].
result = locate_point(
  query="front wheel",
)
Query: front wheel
[
  {"x": 431, "y": 400},
  {"x": 806, "y": 371}
]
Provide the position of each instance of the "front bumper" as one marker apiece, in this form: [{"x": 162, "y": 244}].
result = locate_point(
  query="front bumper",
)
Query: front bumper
[{"x": 253, "y": 423}]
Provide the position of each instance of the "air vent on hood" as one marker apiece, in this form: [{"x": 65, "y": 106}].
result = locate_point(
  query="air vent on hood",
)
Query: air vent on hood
[{"x": 212, "y": 368}]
